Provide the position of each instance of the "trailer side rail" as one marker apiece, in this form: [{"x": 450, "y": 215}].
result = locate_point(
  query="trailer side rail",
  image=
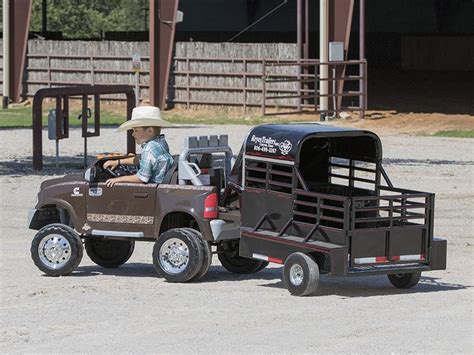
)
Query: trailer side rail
[{"x": 394, "y": 207}]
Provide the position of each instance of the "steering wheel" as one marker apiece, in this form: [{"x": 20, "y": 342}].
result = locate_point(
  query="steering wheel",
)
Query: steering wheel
[
  {"x": 111, "y": 172},
  {"x": 120, "y": 170}
]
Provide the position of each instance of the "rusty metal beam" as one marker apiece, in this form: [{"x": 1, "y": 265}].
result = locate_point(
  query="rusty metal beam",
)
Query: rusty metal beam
[
  {"x": 20, "y": 11},
  {"x": 162, "y": 30}
]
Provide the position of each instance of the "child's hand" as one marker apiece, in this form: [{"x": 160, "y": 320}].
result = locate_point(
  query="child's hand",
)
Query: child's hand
[
  {"x": 112, "y": 164},
  {"x": 111, "y": 182}
]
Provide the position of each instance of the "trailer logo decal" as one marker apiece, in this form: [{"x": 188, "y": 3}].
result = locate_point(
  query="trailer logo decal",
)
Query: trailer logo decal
[
  {"x": 270, "y": 145},
  {"x": 285, "y": 147}
]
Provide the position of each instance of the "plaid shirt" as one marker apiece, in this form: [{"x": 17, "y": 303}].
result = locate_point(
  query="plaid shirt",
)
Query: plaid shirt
[{"x": 155, "y": 160}]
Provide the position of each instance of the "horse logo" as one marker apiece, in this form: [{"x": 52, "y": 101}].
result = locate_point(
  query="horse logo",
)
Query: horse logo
[{"x": 285, "y": 147}]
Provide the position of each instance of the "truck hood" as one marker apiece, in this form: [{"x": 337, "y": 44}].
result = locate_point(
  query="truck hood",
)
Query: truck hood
[{"x": 67, "y": 178}]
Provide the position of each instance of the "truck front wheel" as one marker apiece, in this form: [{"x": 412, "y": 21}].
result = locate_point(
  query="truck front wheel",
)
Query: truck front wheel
[
  {"x": 109, "y": 253},
  {"x": 405, "y": 280},
  {"x": 301, "y": 274},
  {"x": 56, "y": 249},
  {"x": 178, "y": 255}
]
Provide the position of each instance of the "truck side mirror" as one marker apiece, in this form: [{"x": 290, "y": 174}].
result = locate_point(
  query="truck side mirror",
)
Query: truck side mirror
[{"x": 90, "y": 174}]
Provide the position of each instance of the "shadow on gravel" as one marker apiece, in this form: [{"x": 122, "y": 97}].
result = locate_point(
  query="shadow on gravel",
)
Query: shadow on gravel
[
  {"x": 126, "y": 270},
  {"x": 24, "y": 166},
  {"x": 328, "y": 286},
  {"x": 425, "y": 162},
  {"x": 374, "y": 286},
  {"x": 215, "y": 274}
]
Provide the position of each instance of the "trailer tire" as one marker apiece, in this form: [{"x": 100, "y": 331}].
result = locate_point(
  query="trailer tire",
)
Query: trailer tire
[
  {"x": 301, "y": 274},
  {"x": 405, "y": 280},
  {"x": 56, "y": 249},
  {"x": 178, "y": 255},
  {"x": 109, "y": 253},
  {"x": 207, "y": 253}
]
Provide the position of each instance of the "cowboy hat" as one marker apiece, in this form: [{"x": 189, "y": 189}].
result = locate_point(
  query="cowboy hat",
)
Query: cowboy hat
[{"x": 144, "y": 116}]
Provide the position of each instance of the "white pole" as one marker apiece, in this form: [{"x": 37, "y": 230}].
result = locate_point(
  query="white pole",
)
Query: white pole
[
  {"x": 323, "y": 56},
  {"x": 6, "y": 53}
]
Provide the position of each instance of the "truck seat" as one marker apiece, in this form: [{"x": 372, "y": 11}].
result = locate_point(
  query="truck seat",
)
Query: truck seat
[{"x": 171, "y": 176}]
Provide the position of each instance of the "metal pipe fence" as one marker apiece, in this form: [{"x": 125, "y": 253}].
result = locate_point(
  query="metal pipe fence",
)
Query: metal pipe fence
[
  {"x": 306, "y": 98},
  {"x": 270, "y": 85}
]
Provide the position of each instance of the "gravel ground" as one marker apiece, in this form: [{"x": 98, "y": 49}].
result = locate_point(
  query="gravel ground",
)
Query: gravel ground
[{"x": 130, "y": 309}]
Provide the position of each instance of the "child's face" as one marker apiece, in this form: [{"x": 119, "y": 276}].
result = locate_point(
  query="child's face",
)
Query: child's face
[{"x": 142, "y": 135}]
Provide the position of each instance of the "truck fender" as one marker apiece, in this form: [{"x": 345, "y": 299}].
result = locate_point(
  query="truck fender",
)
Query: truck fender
[
  {"x": 202, "y": 224},
  {"x": 35, "y": 221}
]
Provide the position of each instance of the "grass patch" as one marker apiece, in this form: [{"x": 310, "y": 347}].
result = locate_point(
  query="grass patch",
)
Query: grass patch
[
  {"x": 114, "y": 115},
  {"x": 22, "y": 117},
  {"x": 221, "y": 119},
  {"x": 466, "y": 133}
]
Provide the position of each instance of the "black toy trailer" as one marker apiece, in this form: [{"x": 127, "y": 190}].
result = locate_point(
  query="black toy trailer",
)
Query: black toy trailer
[{"x": 311, "y": 198}]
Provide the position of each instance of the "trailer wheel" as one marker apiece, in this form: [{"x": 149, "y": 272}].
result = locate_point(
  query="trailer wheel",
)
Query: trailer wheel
[
  {"x": 178, "y": 255},
  {"x": 109, "y": 253},
  {"x": 207, "y": 254},
  {"x": 405, "y": 280},
  {"x": 301, "y": 274},
  {"x": 56, "y": 249}
]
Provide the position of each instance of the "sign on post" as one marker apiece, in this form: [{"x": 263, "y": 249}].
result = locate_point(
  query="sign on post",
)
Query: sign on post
[{"x": 136, "y": 63}]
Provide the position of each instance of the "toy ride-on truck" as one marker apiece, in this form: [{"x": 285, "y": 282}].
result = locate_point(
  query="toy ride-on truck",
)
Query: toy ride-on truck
[
  {"x": 311, "y": 197},
  {"x": 176, "y": 215}
]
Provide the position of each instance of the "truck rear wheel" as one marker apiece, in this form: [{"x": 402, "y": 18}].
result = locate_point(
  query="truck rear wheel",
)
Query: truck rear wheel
[
  {"x": 301, "y": 274},
  {"x": 178, "y": 255},
  {"x": 405, "y": 280},
  {"x": 207, "y": 254},
  {"x": 109, "y": 253},
  {"x": 232, "y": 262},
  {"x": 56, "y": 249}
]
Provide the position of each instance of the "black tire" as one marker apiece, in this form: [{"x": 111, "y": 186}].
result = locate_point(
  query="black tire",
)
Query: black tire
[
  {"x": 233, "y": 262},
  {"x": 263, "y": 266},
  {"x": 178, "y": 255},
  {"x": 301, "y": 274},
  {"x": 207, "y": 254},
  {"x": 405, "y": 280},
  {"x": 56, "y": 249},
  {"x": 109, "y": 253}
]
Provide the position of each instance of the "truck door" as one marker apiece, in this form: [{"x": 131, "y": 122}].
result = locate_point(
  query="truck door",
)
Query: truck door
[{"x": 127, "y": 207}]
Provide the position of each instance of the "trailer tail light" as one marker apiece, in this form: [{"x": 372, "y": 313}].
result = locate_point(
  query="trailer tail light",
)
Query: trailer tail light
[
  {"x": 384, "y": 259},
  {"x": 373, "y": 260},
  {"x": 210, "y": 206},
  {"x": 418, "y": 257},
  {"x": 270, "y": 259}
]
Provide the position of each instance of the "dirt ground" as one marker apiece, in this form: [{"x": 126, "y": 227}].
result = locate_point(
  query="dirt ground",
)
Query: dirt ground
[{"x": 131, "y": 310}]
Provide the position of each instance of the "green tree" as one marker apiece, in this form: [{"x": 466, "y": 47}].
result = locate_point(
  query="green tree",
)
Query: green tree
[{"x": 89, "y": 18}]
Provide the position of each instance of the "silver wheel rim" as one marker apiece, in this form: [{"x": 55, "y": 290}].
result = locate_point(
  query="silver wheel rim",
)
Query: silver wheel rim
[
  {"x": 174, "y": 256},
  {"x": 54, "y": 251},
  {"x": 296, "y": 275}
]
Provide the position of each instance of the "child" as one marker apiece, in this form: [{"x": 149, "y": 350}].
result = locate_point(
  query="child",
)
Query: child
[{"x": 155, "y": 158}]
